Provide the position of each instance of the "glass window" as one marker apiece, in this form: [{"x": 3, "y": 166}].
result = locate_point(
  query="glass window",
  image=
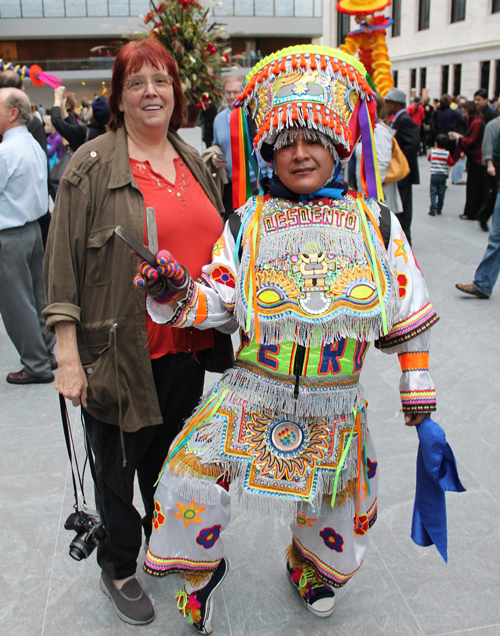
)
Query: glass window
[
  {"x": 318, "y": 8},
  {"x": 395, "y": 78},
  {"x": 413, "y": 77},
  {"x": 263, "y": 8},
  {"x": 457, "y": 79},
  {"x": 396, "y": 17},
  {"x": 54, "y": 8},
  {"x": 424, "y": 7},
  {"x": 497, "y": 77},
  {"x": 495, "y": 6},
  {"x": 77, "y": 9},
  {"x": 226, "y": 8},
  {"x": 32, "y": 8},
  {"x": 304, "y": 8},
  {"x": 283, "y": 8},
  {"x": 485, "y": 75},
  {"x": 9, "y": 9},
  {"x": 423, "y": 79},
  {"x": 343, "y": 27},
  {"x": 445, "y": 76},
  {"x": 118, "y": 7},
  {"x": 457, "y": 10},
  {"x": 243, "y": 7}
]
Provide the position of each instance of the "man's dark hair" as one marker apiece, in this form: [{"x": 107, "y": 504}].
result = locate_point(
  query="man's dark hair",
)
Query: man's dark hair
[
  {"x": 416, "y": 99},
  {"x": 10, "y": 79},
  {"x": 442, "y": 141},
  {"x": 482, "y": 92}
]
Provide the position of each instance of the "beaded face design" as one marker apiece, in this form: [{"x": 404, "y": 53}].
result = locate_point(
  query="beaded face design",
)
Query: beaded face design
[{"x": 307, "y": 86}]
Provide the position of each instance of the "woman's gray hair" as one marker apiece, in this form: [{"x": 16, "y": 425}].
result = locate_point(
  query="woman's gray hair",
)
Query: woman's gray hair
[{"x": 18, "y": 99}]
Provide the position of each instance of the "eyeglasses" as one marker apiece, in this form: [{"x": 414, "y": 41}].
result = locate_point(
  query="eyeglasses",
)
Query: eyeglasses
[
  {"x": 230, "y": 93},
  {"x": 138, "y": 83}
]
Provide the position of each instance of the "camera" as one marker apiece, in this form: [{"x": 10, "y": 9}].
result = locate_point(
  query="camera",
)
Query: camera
[{"x": 90, "y": 533}]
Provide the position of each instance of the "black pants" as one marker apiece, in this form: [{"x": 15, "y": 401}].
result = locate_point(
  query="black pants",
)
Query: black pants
[
  {"x": 474, "y": 194},
  {"x": 405, "y": 217},
  {"x": 490, "y": 190},
  {"x": 179, "y": 386}
]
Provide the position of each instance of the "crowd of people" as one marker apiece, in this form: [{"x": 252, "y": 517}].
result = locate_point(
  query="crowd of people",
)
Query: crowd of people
[{"x": 308, "y": 269}]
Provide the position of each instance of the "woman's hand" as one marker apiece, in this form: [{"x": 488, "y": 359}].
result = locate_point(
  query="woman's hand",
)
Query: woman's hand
[
  {"x": 414, "y": 419},
  {"x": 218, "y": 162},
  {"x": 454, "y": 135},
  {"x": 59, "y": 96},
  {"x": 71, "y": 381},
  {"x": 151, "y": 279}
]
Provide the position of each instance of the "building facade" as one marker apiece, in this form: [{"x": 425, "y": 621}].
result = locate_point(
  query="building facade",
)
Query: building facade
[
  {"x": 74, "y": 39},
  {"x": 436, "y": 46}
]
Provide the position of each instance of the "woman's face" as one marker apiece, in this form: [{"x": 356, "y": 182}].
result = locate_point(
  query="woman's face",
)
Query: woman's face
[
  {"x": 465, "y": 114},
  {"x": 150, "y": 108},
  {"x": 304, "y": 165}
]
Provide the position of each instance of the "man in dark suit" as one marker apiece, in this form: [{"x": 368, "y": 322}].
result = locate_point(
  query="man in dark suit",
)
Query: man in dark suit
[{"x": 408, "y": 137}]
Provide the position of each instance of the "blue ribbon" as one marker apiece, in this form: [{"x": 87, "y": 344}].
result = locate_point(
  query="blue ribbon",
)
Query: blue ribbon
[{"x": 436, "y": 473}]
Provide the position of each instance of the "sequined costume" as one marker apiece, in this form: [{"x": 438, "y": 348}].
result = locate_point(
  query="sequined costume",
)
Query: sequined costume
[{"x": 311, "y": 288}]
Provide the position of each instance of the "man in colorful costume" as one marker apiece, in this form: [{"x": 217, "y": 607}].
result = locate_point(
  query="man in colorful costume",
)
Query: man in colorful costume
[{"x": 313, "y": 276}]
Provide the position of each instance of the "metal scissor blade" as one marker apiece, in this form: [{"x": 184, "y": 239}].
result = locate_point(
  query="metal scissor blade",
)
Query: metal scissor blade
[{"x": 152, "y": 231}]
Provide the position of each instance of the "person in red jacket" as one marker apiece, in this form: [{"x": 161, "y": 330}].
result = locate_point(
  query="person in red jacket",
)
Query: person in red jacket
[
  {"x": 417, "y": 113},
  {"x": 470, "y": 143}
]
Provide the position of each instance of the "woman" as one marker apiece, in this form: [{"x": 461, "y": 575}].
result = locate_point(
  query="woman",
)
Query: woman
[
  {"x": 287, "y": 425},
  {"x": 135, "y": 380},
  {"x": 71, "y": 106},
  {"x": 445, "y": 119},
  {"x": 383, "y": 145},
  {"x": 470, "y": 144},
  {"x": 77, "y": 134}
]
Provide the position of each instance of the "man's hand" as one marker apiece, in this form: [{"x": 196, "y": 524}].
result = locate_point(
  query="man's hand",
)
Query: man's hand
[
  {"x": 218, "y": 162},
  {"x": 491, "y": 168},
  {"x": 414, "y": 419}
]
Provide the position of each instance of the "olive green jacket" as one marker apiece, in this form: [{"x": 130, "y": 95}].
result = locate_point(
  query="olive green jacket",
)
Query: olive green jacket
[{"x": 88, "y": 273}]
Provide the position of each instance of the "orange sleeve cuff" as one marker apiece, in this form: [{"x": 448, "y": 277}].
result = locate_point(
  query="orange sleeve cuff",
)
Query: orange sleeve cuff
[
  {"x": 414, "y": 361},
  {"x": 201, "y": 310}
]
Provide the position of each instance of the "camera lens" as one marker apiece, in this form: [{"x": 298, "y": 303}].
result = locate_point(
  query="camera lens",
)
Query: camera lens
[{"x": 80, "y": 549}]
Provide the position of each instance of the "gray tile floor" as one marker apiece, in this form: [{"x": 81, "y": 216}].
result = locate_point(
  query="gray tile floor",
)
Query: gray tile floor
[{"x": 401, "y": 589}]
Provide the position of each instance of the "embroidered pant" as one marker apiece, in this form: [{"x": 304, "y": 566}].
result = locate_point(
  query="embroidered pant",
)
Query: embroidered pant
[{"x": 187, "y": 539}]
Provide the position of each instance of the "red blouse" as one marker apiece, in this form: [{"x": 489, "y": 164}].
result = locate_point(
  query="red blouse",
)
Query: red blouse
[
  {"x": 188, "y": 227},
  {"x": 471, "y": 143}
]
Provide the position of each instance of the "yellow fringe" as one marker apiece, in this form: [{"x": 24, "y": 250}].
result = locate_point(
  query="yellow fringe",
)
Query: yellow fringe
[
  {"x": 187, "y": 464},
  {"x": 196, "y": 579},
  {"x": 295, "y": 559}
]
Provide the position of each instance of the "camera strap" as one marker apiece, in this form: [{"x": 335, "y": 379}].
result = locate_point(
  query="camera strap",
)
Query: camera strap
[{"x": 70, "y": 446}]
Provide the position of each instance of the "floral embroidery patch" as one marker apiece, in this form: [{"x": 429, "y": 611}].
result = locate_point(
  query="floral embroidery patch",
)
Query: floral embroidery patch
[
  {"x": 158, "y": 516},
  {"x": 188, "y": 513},
  {"x": 371, "y": 468},
  {"x": 222, "y": 274},
  {"x": 363, "y": 525},
  {"x": 403, "y": 283},
  {"x": 332, "y": 540},
  {"x": 208, "y": 537},
  {"x": 303, "y": 521}
]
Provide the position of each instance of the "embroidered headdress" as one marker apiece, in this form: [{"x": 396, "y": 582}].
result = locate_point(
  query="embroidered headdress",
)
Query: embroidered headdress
[{"x": 315, "y": 88}]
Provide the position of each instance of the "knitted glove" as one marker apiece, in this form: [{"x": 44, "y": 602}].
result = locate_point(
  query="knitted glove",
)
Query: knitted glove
[{"x": 152, "y": 280}]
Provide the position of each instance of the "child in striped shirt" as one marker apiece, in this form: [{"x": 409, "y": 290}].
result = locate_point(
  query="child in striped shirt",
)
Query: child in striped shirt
[{"x": 441, "y": 162}]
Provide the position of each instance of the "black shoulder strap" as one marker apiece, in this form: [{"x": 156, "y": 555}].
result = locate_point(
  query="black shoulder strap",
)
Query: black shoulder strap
[
  {"x": 385, "y": 223},
  {"x": 234, "y": 225}
]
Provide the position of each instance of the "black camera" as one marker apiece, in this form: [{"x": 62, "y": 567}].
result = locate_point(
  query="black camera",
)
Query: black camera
[{"x": 90, "y": 533}]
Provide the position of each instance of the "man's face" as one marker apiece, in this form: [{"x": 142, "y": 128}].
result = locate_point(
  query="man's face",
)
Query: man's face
[
  {"x": 393, "y": 107},
  {"x": 303, "y": 165},
  {"x": 480, "y": 102},
  {"x": 231, "y": 91}
]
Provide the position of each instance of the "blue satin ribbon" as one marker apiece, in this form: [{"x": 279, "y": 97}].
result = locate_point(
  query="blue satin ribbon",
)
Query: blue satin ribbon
[{"x": 436, "y": 473}]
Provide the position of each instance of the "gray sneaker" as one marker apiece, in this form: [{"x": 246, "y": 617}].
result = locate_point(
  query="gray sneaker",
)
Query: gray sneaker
[{"x": 131, "y": 603}]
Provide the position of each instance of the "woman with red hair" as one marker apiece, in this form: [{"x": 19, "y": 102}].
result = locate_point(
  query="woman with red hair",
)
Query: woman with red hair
[{"x": 135, "y": 380}]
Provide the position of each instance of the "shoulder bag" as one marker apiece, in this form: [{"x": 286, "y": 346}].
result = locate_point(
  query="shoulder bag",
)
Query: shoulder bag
[{"x": 398, "y": 168}]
